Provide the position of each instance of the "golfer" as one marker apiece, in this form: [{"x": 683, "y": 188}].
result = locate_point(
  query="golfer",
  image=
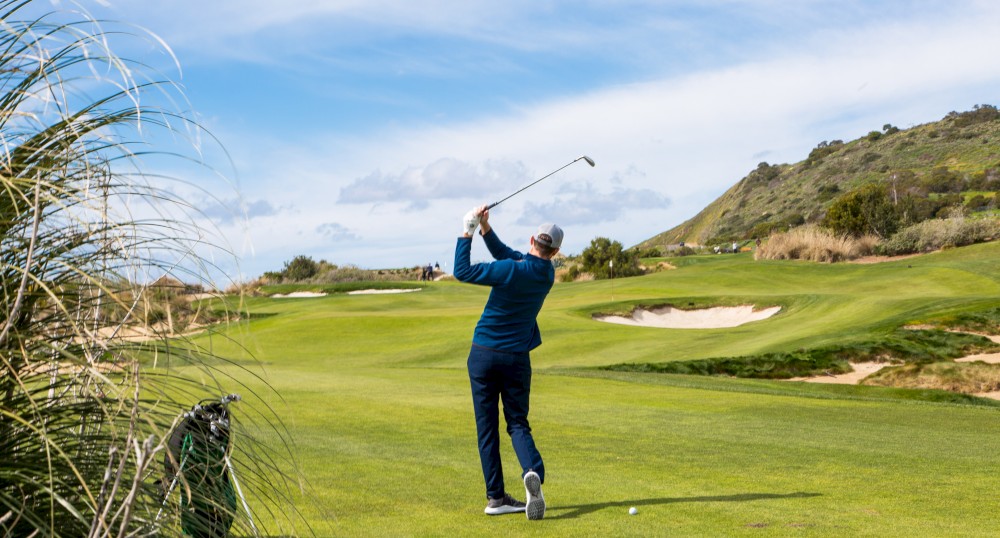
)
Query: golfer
[{"x": 499, "y": 363}]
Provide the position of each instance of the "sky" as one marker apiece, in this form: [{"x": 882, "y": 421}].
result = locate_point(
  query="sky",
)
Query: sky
[{"x": 361, "y": 131}]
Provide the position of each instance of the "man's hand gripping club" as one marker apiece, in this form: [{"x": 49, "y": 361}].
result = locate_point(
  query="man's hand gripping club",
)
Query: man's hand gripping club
[{"x": 474, "y": 218}]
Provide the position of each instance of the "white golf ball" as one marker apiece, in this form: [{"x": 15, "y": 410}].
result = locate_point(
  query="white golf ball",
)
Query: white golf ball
[{"x": 633, "y": 511}]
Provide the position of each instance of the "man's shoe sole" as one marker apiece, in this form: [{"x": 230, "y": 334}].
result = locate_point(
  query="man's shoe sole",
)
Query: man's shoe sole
[{"x": 535, "y": 508}]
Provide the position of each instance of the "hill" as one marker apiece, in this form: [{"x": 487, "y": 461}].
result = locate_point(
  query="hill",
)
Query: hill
[{"x": 934, "y": 163}]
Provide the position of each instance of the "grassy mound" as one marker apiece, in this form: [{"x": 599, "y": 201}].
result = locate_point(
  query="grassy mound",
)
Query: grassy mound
[
  {"x": 967, "y": 377},
  {"x": 918, "y": 346}
]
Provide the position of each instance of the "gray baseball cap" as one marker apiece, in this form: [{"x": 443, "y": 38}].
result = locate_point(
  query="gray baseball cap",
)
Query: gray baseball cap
[{"x": 549, "y": 235}]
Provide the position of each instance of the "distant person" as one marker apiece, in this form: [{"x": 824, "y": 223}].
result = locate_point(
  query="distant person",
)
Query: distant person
[
  {"x": 758, "y": 243},
  {"x": 736, "y": 248},
  {"x": 499, "y": 362}
]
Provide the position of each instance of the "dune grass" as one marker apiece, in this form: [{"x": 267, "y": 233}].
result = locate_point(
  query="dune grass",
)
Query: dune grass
[{"x": 375, "y": 394}]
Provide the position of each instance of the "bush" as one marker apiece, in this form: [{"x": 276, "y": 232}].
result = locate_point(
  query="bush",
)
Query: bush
[
  {"x": 941, "y": 233},
  {"x": 978, "y": 203},
  {"x": 823, "y": 149},
  {"x": 943, "y": 180},
  {"x": 865, "y": 211},
  {"x": 570, "y": 274},
  {"x": 300, "y": 268},
  {"x": 815, "y": 244},
  {"x": 978, "y": 114},
  {"x": 597, "y": 257},
  {"x": 651, "y": 252}
]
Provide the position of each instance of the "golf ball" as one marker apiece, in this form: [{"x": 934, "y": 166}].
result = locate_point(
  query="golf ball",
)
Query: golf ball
[{"x": 633, "y": 511}]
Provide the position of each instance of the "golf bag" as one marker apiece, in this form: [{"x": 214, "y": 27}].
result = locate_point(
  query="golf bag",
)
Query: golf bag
[{"x": 197, "y": 461}]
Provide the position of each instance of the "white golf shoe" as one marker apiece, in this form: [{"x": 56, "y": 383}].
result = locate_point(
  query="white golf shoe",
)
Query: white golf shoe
[
  {"x": 503, "y": 505},
  {"x": 535, "y": 508}
]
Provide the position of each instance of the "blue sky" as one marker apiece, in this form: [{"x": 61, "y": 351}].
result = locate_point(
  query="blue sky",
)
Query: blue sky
[{"x": 361, "y": 131}]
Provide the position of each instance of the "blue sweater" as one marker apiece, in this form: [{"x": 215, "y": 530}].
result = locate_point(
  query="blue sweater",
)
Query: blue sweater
[{"x": 520, "y": 283}]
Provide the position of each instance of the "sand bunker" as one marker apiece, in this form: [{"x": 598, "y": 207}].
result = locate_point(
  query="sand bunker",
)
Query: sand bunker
[
  {"x": 668, "y": 317},
  {"x": 370, "y": 292},
  {"x": 861, "y": 371},
  {"x": 297, "y": 294},
  {"x": 990, "y": 358}
]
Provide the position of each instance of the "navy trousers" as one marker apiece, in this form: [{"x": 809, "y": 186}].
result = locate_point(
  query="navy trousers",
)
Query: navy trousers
[{"x": 500, "y": 376}]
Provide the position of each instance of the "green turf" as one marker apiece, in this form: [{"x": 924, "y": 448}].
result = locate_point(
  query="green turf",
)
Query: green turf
[{"x": 374, "y": 391}]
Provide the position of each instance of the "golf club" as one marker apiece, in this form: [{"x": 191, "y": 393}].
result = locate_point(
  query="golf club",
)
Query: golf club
[{"x": 583, "y": 157}]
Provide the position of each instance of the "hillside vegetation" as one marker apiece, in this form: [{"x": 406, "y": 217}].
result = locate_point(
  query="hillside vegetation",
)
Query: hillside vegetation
[{"x": 928, "y": 171}]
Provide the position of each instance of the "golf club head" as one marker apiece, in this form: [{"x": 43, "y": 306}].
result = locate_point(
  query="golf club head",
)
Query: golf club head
[{"x": 589, "y": 160}]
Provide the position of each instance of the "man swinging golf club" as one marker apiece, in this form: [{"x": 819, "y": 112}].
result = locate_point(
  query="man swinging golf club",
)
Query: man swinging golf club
[{"x": 499, "y": 363}]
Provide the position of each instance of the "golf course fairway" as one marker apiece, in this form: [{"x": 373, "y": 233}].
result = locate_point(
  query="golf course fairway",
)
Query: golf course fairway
[{"x": 374, "y": 394}]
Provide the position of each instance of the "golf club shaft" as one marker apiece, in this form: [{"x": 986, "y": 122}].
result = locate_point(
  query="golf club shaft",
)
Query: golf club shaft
[{"x": 583, "y": 157}]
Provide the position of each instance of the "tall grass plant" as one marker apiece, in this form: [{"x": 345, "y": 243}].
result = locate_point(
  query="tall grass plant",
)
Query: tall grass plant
[
  {"x": 85, "y": 411},
  {"x": 815, "y": 243}
]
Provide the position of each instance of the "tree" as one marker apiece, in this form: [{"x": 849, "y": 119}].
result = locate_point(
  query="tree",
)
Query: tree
[
  {"x": 602, "y": 251},
  {"x": 867, "y": 210},
  {"x": 300, "y": 268}
]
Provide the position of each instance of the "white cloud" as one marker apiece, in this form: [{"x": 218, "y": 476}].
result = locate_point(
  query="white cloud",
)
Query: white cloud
[
  {"x": 442, "y": 179},
  {"x": 667, "y": 138},
  {"x": 336, "y": 233}
]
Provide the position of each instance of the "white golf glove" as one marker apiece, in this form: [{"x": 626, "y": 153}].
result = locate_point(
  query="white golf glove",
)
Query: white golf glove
[{"x": 471, "y": 221}]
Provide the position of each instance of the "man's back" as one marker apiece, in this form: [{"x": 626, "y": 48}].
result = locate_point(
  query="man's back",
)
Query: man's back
[{"x": 520, "y": 283}]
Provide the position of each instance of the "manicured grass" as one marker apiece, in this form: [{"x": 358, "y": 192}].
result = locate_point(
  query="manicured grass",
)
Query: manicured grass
[{"x": 374, "y": 392}]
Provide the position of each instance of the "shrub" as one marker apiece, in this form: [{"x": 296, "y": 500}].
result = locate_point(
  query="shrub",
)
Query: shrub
[
  {"x": 943, "y": 180},
  {"x": 865, "y": 211},
  {"x": 299, "y": 268},
  {"x": 823, "y": 149},
  {"x": 977, "y": 203},
  {"x": 941, "y": 233},
  {"x": 978, "y": 114},
  {"x": 651, "y": 252},
  {"x": 569, "y": 275},
  {"x": 815, "y": 244}
]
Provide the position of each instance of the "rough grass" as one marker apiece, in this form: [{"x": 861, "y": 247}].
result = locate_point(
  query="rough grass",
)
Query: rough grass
[
  {"x": 816, "y": 244},
  {"x": 337, "y": 287},
  {"x": 901, "y": 345},
  {"x": 964, "y": 377},
  {"x": 935, "y": 234}
]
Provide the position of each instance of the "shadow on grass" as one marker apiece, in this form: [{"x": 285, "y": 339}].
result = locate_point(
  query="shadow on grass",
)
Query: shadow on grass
[{"x": 575, "y": 511}]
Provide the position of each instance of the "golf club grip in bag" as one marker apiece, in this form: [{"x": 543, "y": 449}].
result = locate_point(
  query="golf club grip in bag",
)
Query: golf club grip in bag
[{"x": 196, "y": 458}]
